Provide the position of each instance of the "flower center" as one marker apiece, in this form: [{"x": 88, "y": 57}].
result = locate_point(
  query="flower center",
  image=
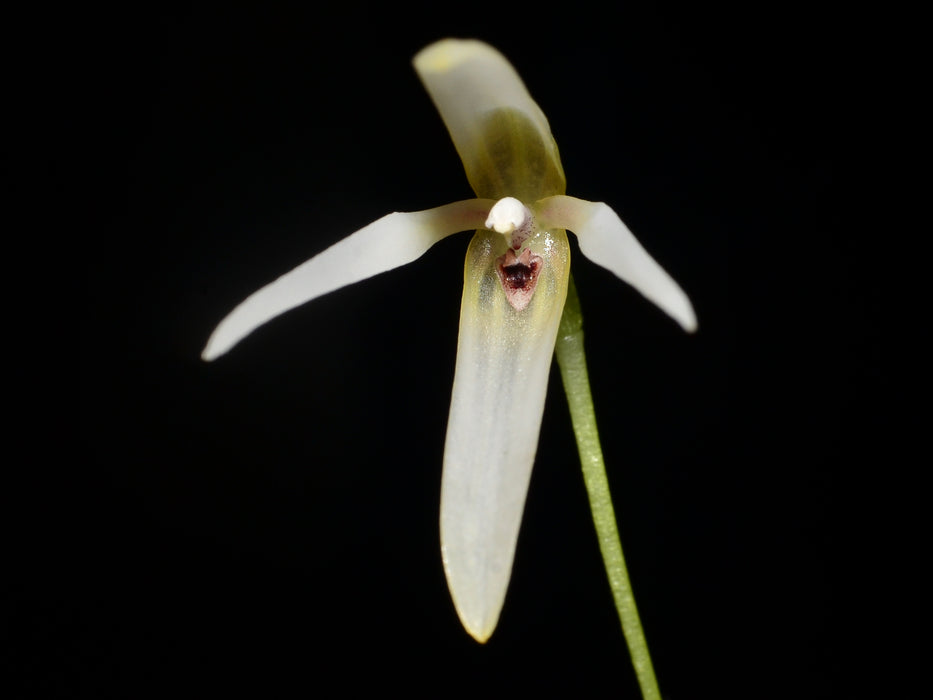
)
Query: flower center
[
  {"x": 512, "y": 219},
  {"x": 518, "y": 274}
]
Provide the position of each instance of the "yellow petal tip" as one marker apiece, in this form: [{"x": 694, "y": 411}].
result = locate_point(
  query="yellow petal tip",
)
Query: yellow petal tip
[
  {"x": 443, "y": 55},
  {"x": 481, "y": 636}
]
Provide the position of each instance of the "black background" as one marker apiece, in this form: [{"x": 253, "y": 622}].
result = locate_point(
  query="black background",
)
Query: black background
[{"x": 268, "y": 522}]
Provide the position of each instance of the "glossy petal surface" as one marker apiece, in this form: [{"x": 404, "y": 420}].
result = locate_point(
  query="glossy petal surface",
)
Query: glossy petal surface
[{"x": 503, "y": 360}]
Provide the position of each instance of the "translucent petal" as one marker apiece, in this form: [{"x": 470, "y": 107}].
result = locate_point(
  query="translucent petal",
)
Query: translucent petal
[
  {"x": 392, "y": 241},
  {"x": 501, "y": 134},
  {"x": 607, "y": 241},
  {"x": 503, "y": 360}
]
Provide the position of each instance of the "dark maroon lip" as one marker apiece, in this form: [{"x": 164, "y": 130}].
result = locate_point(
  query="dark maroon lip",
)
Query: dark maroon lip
[{"x": 518, "y": 275}]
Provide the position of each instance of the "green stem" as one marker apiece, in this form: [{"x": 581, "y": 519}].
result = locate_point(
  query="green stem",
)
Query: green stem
[{"x": 572, "y": 360}]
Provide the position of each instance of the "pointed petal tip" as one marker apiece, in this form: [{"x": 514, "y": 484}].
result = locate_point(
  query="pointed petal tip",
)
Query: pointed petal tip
[
  {"x": 684, "y": 314},
  {"x": 478, "y": 612},
  {"x": 209, "y": 353},
  {"x": 479, "y": 623},
  {"x": 481, "y": 635},
  {"x": 691, "y": 325},
  {"x": 224, "y": 337},
  {"x": 676, "y": 304}
]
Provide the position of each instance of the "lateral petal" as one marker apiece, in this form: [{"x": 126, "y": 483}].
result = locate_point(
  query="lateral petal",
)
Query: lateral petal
[
  {"x": 501, "y": 134},
  {"x": 608, "y": 242},
  {"x": 503, "y": 360},
  {"x": 392, "y": 241}
]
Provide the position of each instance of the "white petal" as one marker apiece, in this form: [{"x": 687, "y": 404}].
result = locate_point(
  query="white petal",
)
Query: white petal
[
  {"x": 607, "y": 241},
  {"x": 503, "y": 360},
  {"x": 392, "y": 241},
  {"x": 501, "y": 134}
]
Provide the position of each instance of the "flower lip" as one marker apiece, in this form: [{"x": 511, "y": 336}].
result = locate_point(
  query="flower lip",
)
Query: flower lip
[
  {"x": 504, "y": 357},
  {"x": 518, "y": 275}
]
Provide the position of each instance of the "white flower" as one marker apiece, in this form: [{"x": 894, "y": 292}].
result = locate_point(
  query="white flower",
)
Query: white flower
[{"x": 515, "y": 285}]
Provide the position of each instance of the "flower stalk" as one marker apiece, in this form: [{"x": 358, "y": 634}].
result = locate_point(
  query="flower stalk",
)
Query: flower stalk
[{"x": 571, "y": 358}]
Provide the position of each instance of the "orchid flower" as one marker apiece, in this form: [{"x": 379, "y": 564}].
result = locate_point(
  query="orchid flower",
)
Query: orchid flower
[{"x": 515, "y": 287}]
